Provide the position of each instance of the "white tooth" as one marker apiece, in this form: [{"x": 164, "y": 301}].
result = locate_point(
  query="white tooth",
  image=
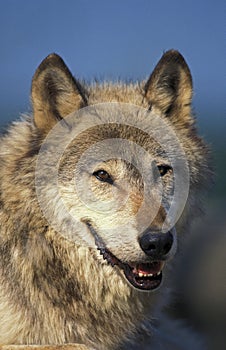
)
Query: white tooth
[
  {"x": 158, "y": 273},
  {"x": 140, "y": 274},
  {"x": 150, "y": 275}
]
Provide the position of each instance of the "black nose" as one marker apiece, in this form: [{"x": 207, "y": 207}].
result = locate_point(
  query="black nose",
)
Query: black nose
[{"x": 156, "y": 245}]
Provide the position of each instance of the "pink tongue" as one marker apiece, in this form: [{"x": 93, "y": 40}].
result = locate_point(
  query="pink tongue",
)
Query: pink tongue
[{"x": 153, "y": 268}]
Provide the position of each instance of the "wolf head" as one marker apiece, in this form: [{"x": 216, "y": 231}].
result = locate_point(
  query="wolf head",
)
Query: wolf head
[{"x": 119, "y": 164}]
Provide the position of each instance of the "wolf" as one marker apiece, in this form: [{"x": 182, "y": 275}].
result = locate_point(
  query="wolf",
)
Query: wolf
[{"x": 87, "y": 239}]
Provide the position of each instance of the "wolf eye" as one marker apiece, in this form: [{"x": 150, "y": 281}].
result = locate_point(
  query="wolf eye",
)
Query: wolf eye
[
  {"x": 164, "y": 169},
  {"x": 103, "y": 176}
]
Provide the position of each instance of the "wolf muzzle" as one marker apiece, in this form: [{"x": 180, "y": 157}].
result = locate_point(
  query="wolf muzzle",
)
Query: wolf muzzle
[{"x": 144, "y": 276}]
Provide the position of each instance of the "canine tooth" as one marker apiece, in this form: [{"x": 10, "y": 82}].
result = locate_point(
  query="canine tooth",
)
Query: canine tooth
[
  {"x": 158, "y": 273},
  {"x": 140, "y": 274}
]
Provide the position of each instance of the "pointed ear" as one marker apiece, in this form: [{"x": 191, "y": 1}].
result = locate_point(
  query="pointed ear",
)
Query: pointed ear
[
  {"x": 169, "y": 88},
  {"x": 55, "y": 93}
]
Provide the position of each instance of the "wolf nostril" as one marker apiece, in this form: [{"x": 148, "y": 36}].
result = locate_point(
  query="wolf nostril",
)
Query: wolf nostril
[
  {"x": 156, "y": 245},
  {"x": 151, "y": 247},
  {"x": 167, "y": 247}
]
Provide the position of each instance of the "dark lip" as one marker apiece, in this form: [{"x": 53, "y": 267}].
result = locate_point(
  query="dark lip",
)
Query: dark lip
[{"x": 131, "y": 272}]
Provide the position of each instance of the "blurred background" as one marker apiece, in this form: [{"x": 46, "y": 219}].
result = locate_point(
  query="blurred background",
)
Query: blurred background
[{"x": 124, "y": 39}]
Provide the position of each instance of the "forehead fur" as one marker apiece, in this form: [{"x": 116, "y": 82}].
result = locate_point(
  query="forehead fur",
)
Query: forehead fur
[{"x": 117, "y": 92}]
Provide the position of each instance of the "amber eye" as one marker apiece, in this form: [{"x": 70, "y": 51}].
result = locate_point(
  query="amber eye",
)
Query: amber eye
[
  {"x": 164, "y": 169},
  {"x": 103, "y": 176}
]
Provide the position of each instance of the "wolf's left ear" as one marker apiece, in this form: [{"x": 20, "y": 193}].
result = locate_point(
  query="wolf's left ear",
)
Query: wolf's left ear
[
  {"x": 169, "y": 88},
  {"x": 55, "y": 93}
]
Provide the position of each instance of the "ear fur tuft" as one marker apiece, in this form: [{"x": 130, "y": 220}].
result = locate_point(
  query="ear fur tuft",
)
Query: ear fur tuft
[
  {"x": 55, "y": 93},
  {"x": 169, "y": 88}
]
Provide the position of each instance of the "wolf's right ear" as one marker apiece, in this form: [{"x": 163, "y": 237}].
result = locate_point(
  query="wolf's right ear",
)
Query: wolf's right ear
[{"x": 55, "y": 93}]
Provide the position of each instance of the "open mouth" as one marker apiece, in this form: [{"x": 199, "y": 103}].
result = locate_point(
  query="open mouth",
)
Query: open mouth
[{"x": 143, "y": 276}]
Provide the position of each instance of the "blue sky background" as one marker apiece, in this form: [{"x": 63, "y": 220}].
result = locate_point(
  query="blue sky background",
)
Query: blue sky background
[{"x": 111, "y": 39}]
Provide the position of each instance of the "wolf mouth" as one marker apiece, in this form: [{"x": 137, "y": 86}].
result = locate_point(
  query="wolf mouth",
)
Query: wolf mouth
[{"x": 142, "y": 276}]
